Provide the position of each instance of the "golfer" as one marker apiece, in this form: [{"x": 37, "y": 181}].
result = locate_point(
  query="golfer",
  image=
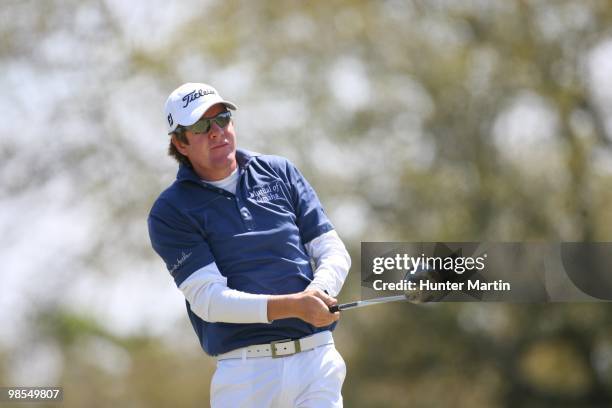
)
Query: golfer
[{"x": 247, "y": 242}]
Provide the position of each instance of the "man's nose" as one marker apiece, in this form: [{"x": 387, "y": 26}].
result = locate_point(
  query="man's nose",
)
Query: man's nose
[{"x": 215, "y": 130}]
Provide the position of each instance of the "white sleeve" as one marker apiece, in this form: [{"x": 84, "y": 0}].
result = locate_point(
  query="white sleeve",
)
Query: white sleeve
[
  {"x": 332, "y": 262},
  {"x": 209, "y": 297}
]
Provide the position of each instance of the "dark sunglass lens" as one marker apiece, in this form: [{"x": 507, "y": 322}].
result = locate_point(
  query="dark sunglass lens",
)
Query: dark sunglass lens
[
  {"x": 223, "y": 119},
  {"x": 202, "y": 126}
]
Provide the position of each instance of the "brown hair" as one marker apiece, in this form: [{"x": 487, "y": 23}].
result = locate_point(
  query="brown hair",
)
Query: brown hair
[{"x": 179, "y": 133}]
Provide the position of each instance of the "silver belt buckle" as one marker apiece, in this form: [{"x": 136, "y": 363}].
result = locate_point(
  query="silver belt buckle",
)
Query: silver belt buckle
[{"x": 275, "y": 354}]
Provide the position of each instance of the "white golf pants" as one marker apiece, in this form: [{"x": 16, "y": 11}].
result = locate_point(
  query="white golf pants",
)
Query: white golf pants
[{"x": 310, "y": 379}]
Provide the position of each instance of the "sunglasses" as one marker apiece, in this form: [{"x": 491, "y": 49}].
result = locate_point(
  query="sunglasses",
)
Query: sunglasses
[{"x": 203, "y": 125}]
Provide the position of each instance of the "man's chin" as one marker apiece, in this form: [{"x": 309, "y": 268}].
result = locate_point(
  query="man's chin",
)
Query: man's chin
[
  {"x": 224, "y": 151},
  {"x": 224, "y": 160},
  {"x": 230, "y": 156}
]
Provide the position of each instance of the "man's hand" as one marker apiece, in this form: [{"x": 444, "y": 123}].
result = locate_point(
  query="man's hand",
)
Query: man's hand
[{"x": 312, "y": 306}]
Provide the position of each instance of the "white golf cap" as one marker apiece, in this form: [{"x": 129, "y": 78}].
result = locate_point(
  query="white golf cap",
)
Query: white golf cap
[{"x": 187, "y": 103}]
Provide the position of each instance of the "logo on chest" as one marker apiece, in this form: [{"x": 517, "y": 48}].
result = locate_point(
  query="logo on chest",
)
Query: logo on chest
[{"x": 267, "y": 193}]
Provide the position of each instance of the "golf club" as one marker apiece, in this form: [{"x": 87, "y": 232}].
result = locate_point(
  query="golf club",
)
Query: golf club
[
  {"x": 413, "y": 296},
  {"x": 363, "y": 303}
]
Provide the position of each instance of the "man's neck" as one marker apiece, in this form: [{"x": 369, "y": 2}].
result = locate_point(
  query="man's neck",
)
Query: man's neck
[{"x": 215, "y": 174}]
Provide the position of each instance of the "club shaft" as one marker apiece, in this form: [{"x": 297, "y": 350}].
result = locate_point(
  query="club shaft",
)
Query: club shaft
[{"x": 364, "y": 303}]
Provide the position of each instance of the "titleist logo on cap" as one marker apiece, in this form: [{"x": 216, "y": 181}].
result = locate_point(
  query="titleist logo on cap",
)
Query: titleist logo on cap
[{"x": 193, "y": 95}]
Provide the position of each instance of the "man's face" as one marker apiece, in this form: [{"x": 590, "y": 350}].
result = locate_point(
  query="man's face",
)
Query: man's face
[{"x": 212, "y": 154}]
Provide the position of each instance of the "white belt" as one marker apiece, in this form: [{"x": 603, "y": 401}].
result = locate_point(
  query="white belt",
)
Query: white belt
[{"x": 280, "y": 348}]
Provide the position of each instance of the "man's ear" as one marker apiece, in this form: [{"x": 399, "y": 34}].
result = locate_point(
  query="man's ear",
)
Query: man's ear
[{"x": 180, "y": 146}]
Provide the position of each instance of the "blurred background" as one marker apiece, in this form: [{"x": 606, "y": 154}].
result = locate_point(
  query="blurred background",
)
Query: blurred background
[{"x": 422, "y": 120}]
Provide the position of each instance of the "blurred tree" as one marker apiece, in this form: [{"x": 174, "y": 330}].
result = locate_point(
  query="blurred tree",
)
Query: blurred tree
[{"x": 415, "y": 120}]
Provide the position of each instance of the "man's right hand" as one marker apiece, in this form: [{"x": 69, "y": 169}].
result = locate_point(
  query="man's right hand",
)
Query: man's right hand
[{"x": 312, "y": 306}]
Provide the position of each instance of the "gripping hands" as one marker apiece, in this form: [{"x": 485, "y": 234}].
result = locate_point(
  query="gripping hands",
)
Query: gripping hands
[{"x": 312, "y": 306}]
